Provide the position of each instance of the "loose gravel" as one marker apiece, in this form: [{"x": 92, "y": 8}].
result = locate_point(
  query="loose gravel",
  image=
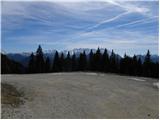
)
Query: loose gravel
[{"x": 83, "y": 95}]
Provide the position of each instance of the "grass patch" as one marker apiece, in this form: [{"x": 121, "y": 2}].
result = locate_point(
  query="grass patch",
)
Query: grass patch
[{"x": 10, "y": 95}]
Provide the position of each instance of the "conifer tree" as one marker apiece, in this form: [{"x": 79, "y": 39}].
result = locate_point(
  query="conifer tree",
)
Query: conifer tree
[
  {"x": 47, "y": 65},
  {"x": 74, "y": 62},
  {"x": 105, "y": 61},
  {"x": 62, "y": 60},
  {"x": 155, "y": 70},
  {"x": 94, "y": 62},
  {"x": 123, "y": 64},
  {"x": 147, "y": 65},
  {"x": 130, "y": 67},
  {"x": 68, "y": 63},
  {"x": 82, "y": 61},
  {"x": 40, "y": 64},
  {"x": 31, "y": 64},
  {"x": 91, "y": 61},
  {"x": 56, "y": 63},
  {"x": 139, "y": 67},
  {"x": 113, "y": 67},
  {"x": 134, "y": 65},
  {"x": 97, "y": 60}
]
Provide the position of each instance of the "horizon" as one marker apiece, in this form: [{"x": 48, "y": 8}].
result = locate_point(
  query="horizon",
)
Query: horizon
[
  {"x": 60, "y": 51},
  {"x": 126, "y": 27}
]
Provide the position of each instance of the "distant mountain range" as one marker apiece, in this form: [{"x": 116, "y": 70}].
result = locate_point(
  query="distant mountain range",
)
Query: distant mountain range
[
  {"x": 23, "y": 58},
  {"x": 154, "y": 58},
  {"x": 10, "y": 66}
]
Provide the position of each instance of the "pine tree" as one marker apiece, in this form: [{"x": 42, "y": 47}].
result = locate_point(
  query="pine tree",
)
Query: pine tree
[
  {"x": 97, "y": 60},
  {"x": 105, "y": 61},
  {"x": 82, "y": 61},
  {"x": 148, "y": 57},
  {"x": 31, "y": 65},
  {"x": 62, "y": 60},
  {"x": 113, "y": 67},
  {"x": 125, "y": 65},
  {"x": 74, "y": 62},
  {"x": 129, "y": 66},
  {"x": 134, "y": 65},
  {"x": 91, "y": 61},
  {"x": 47, "y": 65},
  {"x": 56, "y": 63},
  {"x": 155, "y": 70},
  {"x": 147, "y": 65},
  {"x": 40, "y": 64},
  {"x": 139, "y": 67},
  {"x": 122, "y": 64},
  {"x": 68, "y": 63}
]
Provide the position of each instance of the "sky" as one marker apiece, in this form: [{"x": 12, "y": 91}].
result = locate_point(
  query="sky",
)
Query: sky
[{"x": 125, "y": 26}]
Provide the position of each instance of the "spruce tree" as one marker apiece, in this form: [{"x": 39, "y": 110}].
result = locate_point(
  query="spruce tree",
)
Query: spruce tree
[
  {"x": 139, "y": 67},
  {"x": 113, "y": 67},
  {"x": 91, "y": 61},
  {"x": 134, "y": 65},
  {"x": 62, "y": 60},
  {"x": 56, "y": 63},
  {"x": 68, "y": 63},
  {"x": 74, "y": 62},
  {"x": 31, "y": 64},
  {"x": 105, "y": 61},
  {"x": 82, "y": 61},
  {"x": 155, "y": 69},
  {"x": 147, "y": 65},
  {"x": 122, "y": 64},
  {"x": 40, "y": 64},
  {"x": 47, "y": 65},
  {"x": 97, "y": 60}
]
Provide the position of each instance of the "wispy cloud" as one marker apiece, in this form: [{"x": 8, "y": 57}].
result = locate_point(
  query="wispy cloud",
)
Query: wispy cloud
[
  {"x": 141, "y": 21},
  {"x": 108, "y": 20},
  {"x": 128, "y": 8},
  {"x": 114, "y": 24}
]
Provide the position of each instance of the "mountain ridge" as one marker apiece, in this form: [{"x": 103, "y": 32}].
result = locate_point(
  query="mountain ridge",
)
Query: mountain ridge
[{"x": 23, "y": 57}]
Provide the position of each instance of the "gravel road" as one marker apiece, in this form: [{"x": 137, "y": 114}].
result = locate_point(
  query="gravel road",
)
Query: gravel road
[{"x": 83, "y": 95}]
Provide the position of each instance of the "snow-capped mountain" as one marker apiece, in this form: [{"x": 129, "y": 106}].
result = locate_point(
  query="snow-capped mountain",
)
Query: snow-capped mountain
[
  {"x": 23, "y": 58},
  {"x": 154, "y": 58},
  {"x": 77, "y": 51}
]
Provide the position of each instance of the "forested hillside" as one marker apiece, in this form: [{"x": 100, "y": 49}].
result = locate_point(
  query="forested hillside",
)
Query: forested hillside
[
  {"x": 95, "y": 61},
  {"x": 9, "y": 66}
]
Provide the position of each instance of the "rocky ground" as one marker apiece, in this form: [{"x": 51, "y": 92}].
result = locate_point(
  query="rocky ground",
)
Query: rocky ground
[{"x": 80, "y": 95}]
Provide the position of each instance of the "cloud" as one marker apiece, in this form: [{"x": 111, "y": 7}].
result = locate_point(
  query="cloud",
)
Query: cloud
[
  {"x": 141, "y": 21},
  {"x": 66, "y": 25},
  {"x": 128, "y": 7},
  {"x": 108, "y": 20}
]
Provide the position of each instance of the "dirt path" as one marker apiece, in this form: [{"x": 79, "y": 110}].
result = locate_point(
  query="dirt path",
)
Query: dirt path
[{"x": 82, "y": 95}]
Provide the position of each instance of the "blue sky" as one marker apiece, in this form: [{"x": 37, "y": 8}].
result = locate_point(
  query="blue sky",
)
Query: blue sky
[{"x": 125, "y": 26}]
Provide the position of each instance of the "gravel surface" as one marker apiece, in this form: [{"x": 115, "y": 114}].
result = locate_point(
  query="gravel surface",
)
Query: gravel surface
[{"x": 83, "y": 95}]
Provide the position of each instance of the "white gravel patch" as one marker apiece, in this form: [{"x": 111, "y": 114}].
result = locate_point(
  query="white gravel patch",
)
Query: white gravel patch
[
  {"x": 91, "y": 73},
  {"x": 137, "y": 79},
  {"x": 156, "y": 84}
]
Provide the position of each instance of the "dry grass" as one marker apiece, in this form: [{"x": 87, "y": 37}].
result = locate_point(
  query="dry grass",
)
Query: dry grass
[{"x": 10, "y": 95}]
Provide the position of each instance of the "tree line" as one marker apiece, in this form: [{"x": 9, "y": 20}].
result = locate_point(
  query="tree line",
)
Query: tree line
[
  {"x": 10, "y": 67},
  {"x": 96, "y": 62}
]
